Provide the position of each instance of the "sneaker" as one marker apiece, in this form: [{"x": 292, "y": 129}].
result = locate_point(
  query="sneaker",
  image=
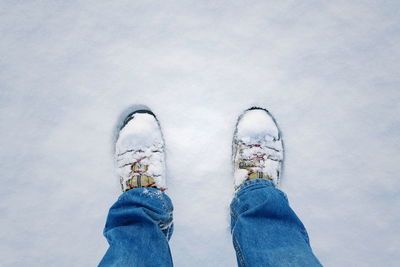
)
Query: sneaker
[
  {"x": 257, "y": 147},
  {"x": 139, "y": 152}
]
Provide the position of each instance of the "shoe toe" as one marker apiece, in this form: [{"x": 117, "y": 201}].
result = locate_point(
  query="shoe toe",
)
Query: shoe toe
[
  {"x": 257, "y": 123},
  {"x": 142, "y": 130}
]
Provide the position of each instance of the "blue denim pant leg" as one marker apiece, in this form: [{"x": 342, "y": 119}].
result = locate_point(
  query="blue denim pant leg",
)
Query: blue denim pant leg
[
  {"x": 265, "y": 230},
  {"x": 138, "y": 228}
]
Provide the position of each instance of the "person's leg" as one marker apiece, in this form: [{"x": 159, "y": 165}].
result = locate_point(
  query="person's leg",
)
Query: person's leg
[
  {"x": 265, "y": 230},
  {"x": 139, "y": 225},
  {"x": 138, "y": 228}
]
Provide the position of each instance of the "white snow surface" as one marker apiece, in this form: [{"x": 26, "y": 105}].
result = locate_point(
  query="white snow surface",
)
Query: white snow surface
[{"x": 327, "y": 70}]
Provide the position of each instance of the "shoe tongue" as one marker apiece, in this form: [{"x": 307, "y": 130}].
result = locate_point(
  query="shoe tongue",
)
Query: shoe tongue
[
  {"x": 138, "y": 167},
  {"x": 258, "y": 175},
  {"x": 139, "y": 181}
]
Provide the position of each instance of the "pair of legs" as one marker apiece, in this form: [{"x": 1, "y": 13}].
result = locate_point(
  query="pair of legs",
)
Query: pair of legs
[{"x": 265, "y": 230}]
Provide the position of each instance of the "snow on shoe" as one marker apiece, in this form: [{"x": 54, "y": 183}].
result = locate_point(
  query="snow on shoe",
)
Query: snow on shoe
[
  {"x": 139, "y": 152},
  {"x": 257, "y": 147}
]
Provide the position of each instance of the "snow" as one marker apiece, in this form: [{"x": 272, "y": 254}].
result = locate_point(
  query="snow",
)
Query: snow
[
  {"x": 240, "y": 175},
  {"x": 140, "y": 141},
  {"x": 257, "y": 143},
  {"x": 140, "y": 132},
  {"x": 328, "y": 71},
  {"x": 256, "y": 123}
]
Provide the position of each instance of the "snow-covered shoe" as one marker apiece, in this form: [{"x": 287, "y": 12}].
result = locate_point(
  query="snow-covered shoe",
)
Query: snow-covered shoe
[
  {"x": 139, "y": 152},
  {"x": 257, "y": 147}
]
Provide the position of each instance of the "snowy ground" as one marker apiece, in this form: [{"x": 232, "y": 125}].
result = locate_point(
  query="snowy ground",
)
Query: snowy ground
[{"x": 327, "y": 70}]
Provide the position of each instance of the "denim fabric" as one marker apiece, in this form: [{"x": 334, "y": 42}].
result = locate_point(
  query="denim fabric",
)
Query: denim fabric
[
  {"x": 138, "y": 228},
  {"x": 265, "y": 230}
]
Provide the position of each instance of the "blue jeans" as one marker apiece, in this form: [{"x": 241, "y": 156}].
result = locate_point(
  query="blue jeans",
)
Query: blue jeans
[{"x": 265, "y": 230}]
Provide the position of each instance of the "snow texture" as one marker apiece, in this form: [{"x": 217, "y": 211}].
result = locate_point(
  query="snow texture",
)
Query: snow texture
[
  {"x": 327, "y": 70},
  {"x": 140, "y": 141},
  {"x": 257, "y": 143}
]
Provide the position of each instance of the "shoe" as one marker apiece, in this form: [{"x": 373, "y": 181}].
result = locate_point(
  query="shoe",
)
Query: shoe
[
  {"x": 139, "y": 152},
  {"x": 257, "y": 148}
]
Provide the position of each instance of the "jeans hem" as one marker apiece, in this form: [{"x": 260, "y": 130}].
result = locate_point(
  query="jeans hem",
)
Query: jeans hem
[
  {"x": 244, "y": 187},
  {"x": 253, "y": 182}
]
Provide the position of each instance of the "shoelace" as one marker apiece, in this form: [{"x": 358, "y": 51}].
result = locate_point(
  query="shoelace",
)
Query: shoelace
[
  {"x": 138, "y": 176},
  {"x": 252, "y": 157}
]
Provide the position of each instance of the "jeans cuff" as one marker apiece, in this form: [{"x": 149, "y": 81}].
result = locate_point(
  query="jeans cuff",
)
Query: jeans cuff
[{"x": 249, "y": 183}]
